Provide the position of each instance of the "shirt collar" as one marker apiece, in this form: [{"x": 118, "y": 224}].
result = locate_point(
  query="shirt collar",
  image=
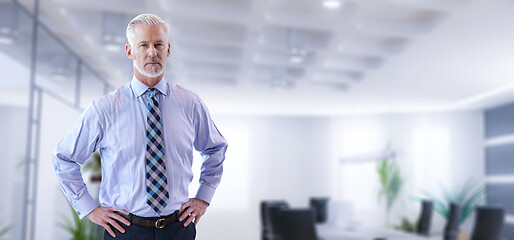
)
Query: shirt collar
[{"x": 139, "y": 88}]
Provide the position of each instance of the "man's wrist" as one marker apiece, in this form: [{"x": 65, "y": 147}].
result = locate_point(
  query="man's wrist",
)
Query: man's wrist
[
  {"x": 201, "y": 201},
  {"x": 205, "y": 193},
  {"x": 85, "y": 205}
]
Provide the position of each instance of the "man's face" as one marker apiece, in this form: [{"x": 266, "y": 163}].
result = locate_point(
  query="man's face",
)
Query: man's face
[{"x": 150, "y": 49}]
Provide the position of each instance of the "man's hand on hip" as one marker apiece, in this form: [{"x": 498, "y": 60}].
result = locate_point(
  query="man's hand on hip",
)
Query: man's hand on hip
[
  {"x": 106, "y": 217},
  {"x": 194, "y": 210}
]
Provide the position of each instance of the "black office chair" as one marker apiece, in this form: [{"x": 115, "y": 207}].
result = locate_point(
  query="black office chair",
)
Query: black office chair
[
  {"x": 297, "y": 224},
  {"x": 488, "y": 223},
  {"x": 269, "y": 218},
  {"x": 320, "y": 207},
  {"x": 451, "y": 230},
  {"x": 425, "y": 218}
]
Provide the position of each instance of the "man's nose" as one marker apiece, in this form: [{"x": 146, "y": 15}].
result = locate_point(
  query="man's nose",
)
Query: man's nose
[{"x": 152, "y": 52}]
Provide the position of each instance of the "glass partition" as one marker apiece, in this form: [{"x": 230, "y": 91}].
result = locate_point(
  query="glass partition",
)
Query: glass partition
[
  {"x": 37, "y": 108},
  {"x": 56, "y": 68},
  {"x": 91, "y": 87}
]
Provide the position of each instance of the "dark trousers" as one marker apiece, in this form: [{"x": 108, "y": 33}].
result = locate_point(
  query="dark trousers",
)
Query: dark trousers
[{"x": 172, "y": 231}]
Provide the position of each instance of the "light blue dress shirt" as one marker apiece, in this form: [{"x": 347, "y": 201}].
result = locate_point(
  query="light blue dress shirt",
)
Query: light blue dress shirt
[{"x": 116, "y": 124}]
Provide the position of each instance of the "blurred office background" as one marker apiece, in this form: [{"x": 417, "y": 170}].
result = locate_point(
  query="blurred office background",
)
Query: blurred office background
[{"x": 310, "y": 95}]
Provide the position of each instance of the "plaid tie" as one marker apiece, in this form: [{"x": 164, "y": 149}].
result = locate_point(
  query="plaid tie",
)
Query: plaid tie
[{"x": 156, "y": 185}]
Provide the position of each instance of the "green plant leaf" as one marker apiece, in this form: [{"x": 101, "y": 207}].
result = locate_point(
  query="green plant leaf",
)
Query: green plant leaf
[
  {"x": 5, "y": 230},
  {"x": 79, "y": 229},
  {"x": 406, "y": 225},
  {"x": 469, "y": 205},
  {"x": 391, "y": 181},
  {"x": 468, "y": 196},
  {"x": 449, "y": 197}
]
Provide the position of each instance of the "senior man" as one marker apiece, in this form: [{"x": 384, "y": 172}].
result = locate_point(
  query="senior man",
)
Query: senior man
[{"x": 145, "y": 131}]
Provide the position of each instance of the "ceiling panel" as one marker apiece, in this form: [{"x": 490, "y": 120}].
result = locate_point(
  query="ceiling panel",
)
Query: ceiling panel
[{"x": 356, "y": 50}]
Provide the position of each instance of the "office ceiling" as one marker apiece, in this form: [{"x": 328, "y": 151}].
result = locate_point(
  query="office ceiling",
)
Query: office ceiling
[{"x": 299, "y": 57}]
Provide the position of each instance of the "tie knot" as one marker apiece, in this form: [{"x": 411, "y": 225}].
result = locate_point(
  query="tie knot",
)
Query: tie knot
[
  {"x": 151, "y": 92},
  {"x": 152, "y": 100}
]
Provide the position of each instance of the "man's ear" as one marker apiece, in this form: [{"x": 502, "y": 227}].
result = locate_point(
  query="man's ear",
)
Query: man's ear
[
  {"x": 128, "y": 48},
  {"x": 169, "y": 49}
]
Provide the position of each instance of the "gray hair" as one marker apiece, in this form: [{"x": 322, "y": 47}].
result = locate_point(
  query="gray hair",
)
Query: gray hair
[{"x": 147, "y": 19}]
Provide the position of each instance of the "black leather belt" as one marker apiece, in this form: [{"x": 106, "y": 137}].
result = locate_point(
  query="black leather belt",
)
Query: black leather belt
[{"x": 154, "y": 222}]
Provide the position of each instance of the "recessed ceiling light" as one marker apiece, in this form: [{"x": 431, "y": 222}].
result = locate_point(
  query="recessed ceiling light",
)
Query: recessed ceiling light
[
  {"x": 296, "y": 59},
  {"x": 112, "y": 47},
  {"x": 112, "y": 37},
  {"x": 6, "y": 40},
  {"x": 331, "y": 4},
  {"x": 60, "y": 74},
  {"x": 296, "y": 55},
  {"x": 8, "y": 23}
]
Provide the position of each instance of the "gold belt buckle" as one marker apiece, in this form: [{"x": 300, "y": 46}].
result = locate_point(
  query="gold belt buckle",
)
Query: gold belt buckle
[{"x": 159, "y": 223}]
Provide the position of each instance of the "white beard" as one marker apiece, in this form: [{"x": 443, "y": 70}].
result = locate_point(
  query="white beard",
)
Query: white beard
[{"x": 145, "y": 73}]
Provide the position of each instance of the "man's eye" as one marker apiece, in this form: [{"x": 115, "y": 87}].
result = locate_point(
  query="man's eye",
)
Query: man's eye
[{"x": 142, "y": 45}]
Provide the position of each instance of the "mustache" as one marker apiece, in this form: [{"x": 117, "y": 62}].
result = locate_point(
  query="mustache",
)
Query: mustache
[{"x": 154, "y": 59}]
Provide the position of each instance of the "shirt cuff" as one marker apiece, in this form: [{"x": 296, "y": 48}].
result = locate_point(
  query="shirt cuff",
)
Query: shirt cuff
[
  {"x": 205, "y": 193},
  {"x": 85, "y": 205}
]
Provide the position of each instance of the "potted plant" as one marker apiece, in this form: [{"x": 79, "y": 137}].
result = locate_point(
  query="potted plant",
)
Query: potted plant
[
  {"x": 80, "y": 229},
  {"x": 406, "y": 225},
  {"x": 391, "y": 183},
  {"x": 468, "y": 196},
  {"x": 3, "y": 231}
]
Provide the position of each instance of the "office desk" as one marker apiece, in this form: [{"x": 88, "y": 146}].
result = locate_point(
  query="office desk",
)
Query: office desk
[{"x": 333, "y": 232}]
